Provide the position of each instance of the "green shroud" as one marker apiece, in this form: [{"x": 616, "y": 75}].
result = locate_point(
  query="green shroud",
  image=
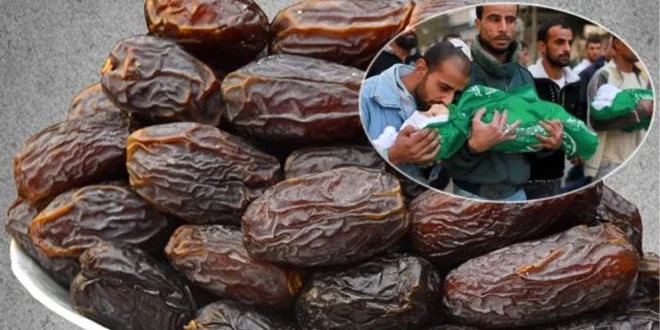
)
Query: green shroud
[
  {"x": 623, "y": 104},
  {"x": 522, "y": 104}
]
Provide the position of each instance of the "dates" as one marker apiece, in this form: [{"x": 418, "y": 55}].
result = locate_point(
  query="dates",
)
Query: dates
[
  {"x": 71, "y": 154},
  {"x": 448, "y": 230},
  {"x": 227, "y": 33},
  {"x": 336, "y": 217},
  {"x": 89, "y": 101},
  {"x": 157, "y": 81},
  {"x": 294, "y": 99},
  {"x": 548, "y": 280},
  {"x": 17, "y": 222},
  {"x": 390, "y": 292},
  {"x": 623, "y": 318},
  {"x": 77, "y": 219},
  {"x": 321, "y": 159},
  {"x": 124, "y": 289},
  {"x": 213, "y": 257},
  {"x": 230, "y": 315},
  {"x": 425, "y": 9},
  {"x": 452, "y": 327},
  {"x": 349, "y": 32},
  {"x": 198, "y": 172},
  {"x": 648, "y": 281}
]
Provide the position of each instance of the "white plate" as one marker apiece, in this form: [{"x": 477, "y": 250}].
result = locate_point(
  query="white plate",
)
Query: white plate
[{"x": 44, "y": 289}]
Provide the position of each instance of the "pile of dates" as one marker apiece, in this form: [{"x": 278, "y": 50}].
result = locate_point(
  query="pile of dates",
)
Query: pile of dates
[{"x": 216, "y": 176}]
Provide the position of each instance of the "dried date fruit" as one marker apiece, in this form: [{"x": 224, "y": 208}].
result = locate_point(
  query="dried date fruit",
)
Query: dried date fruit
[
  {"x": 547, "y": 280},
  {"x": 226, "y": 34},
  {"x": 349, "y": 32},
  {"x": 335, "y": 217},
  {"x": 71, "y": 154},
  {"x": 198, "y": 172},
  {"x": 425, "y": 9},
  {"x": 213, "y": 257},
  {"x": 409, "y": 187},
  {"x": 600, "y": 204},
  {"x": 320, "y": 159},
  {"x": 89, "y": 101},
  {"x": 19, "y": 215},
  {"x": 648, "y": 281},
  {"x": 125, "y": 289},
  {"x": 293, "y": 99},
  {"x": 230, "y": 315},
  {"x": 77, "y": 219},
  {"x": 157, "y": 81},
  {"x": 390, "y": 292},
  {"x": 623, "y": 318},
  {"x": 449, "y": 230}
]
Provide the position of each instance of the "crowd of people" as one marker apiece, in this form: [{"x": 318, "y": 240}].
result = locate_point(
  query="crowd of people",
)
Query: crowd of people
[{"x": 402, "y": 82}]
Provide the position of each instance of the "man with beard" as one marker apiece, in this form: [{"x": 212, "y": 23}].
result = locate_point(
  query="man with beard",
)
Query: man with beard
[
  {"x": 594, "y": 50},
  {"x": 555, "y": 82},
  {"x": 391, "y": 97},
  {"x": 615, "y": 144},
  {"x": 403, "y": 50},
  {"x": 477, "y": 172}
]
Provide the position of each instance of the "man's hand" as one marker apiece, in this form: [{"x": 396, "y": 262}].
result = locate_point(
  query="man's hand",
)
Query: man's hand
[
  {"x": 556, "y": 131},
  {"x": 647, "y": 107},
  {"x": 485, "y": 136},
  {"x": 576, "y": 161},
  {"x": 413, "y": 146}
]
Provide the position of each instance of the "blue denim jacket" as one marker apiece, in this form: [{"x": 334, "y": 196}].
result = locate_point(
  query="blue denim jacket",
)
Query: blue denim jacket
[{"x": 384, "y": 102}]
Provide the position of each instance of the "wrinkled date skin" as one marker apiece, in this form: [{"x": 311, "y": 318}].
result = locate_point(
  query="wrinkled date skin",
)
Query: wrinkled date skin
[
  {"x": 125, "y": 289},
  {"x": 230, "y": 315},
  {"x": 336, "y": 217},
  {"x": 390, "y": 292},
  {"x": 77, "y": 219},
  {"x": 17, "y": 221},
  {"x": 600, "y": 204},
  {"x": 320, "y": 159},
  {"x": 648, "y": 281},
  {"x": 198, "y": 172},
  {"x": 548, "y": 280},
  {"x": 157, "y": 81},
  {"x": 623, "y": 318},
  {"x": 449, "y": 230},
  {"x": 425, "y": 9},
  {"x": 213, "y": 257},
  {"x": 295, "y": 100},
  {"x": 89, "y": 101},
  {"x": 226, "y": 34},
  {"x": 70, "y": 154},
  {"x": 349, "y": 32}
]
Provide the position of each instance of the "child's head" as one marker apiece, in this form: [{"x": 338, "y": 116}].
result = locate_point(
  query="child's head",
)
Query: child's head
[{"x": 437, "y": 110}]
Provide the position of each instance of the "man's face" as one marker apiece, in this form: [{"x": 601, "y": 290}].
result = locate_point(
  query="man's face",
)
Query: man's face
[
  {"x": 439, "y": 86},
  {"x": 593, "y": 51},
  {"x": 557, "y": 49},
  {"x": 497, "y": 26},
  {"x": 624, "y": 51},
  {"x": 609, "y": 52}
]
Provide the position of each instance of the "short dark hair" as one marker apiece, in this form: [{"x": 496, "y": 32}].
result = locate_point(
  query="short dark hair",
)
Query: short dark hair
[
  {"x": 593, "y": 39},
  {"x": 451, "y": 36},
  {"x": 442, "y": 51},
  {"x": 480, "y": 11},
  {"x": 542, "y": 32}
]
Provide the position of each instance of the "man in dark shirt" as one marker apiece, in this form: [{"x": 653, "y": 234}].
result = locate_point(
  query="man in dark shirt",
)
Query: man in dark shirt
[{"x": 403, "y": 50}]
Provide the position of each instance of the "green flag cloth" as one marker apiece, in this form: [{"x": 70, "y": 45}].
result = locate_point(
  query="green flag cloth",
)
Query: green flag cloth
[
  {"x": 522, "y": 104},
  {"x": 619, "y": 103}
]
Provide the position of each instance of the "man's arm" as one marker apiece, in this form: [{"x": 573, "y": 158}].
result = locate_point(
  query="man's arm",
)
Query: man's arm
[{"x": 636, "y": 115}]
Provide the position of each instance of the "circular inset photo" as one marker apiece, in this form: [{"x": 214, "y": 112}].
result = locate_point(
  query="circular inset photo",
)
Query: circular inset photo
[{"x": 506, "y": 102}]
